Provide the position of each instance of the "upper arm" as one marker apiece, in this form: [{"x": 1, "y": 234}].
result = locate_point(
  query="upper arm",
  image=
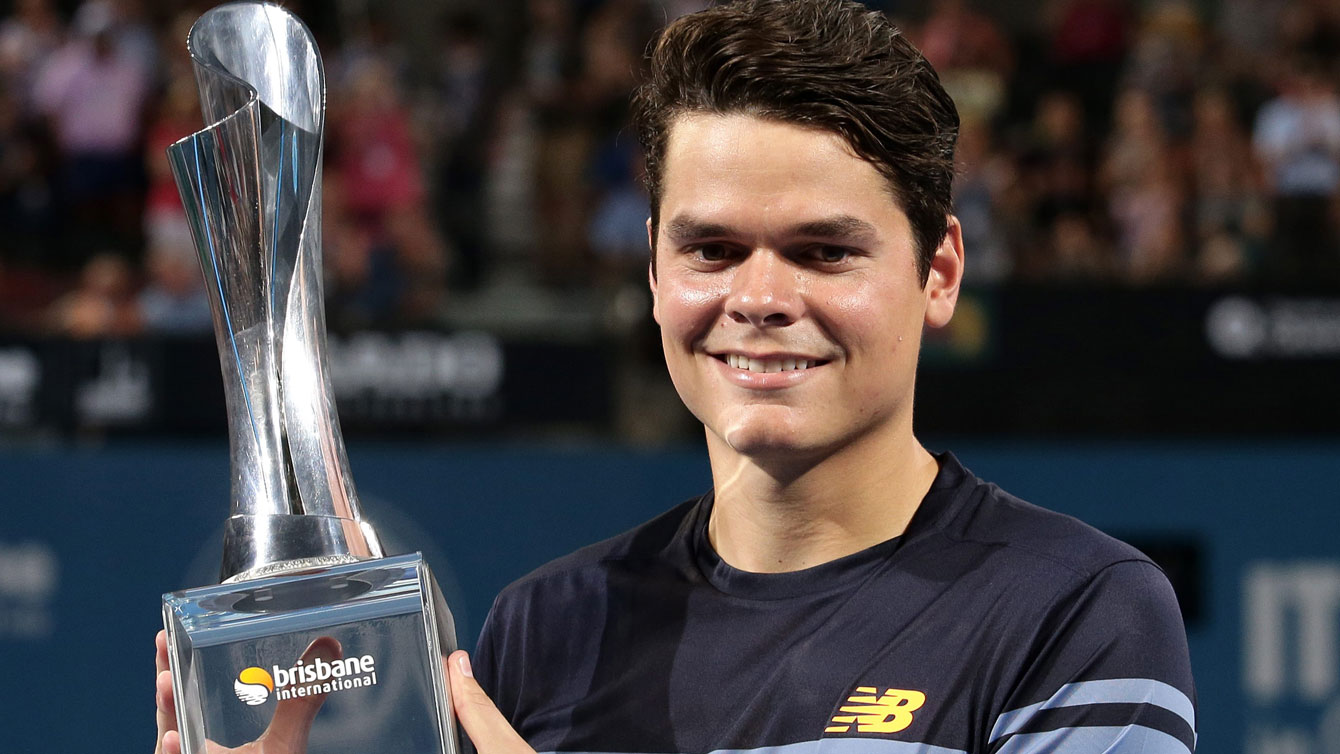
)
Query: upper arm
[{"x": 1113, "y": 674}]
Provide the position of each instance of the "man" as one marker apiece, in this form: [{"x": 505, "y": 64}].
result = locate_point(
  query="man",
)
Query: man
[
  {"x": 840, "y": 588},
  {"x": 840, "y": 584}
]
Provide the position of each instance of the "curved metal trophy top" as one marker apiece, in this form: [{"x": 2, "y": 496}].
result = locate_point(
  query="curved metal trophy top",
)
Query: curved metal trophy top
[{"x": 251, "y": 184}]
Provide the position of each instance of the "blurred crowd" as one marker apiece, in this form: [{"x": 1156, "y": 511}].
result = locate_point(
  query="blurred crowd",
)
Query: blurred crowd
[{"x": 1113, "y": 142}]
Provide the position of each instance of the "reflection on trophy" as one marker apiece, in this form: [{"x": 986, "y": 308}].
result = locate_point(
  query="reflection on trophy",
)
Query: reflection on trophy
[{"x": 309, "y": 606}]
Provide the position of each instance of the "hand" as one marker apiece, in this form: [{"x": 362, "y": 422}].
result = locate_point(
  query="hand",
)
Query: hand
[
  {"x": 288, "y": 729},
  {"x": 484, "y": 724}
]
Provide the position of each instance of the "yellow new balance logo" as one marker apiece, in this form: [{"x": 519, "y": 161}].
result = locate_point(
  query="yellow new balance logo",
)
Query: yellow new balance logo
[{"x": 887, "y": 713}]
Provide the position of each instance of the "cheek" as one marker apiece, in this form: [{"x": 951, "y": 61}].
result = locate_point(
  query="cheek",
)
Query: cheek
[
  {"x": 867, "y": 322},
  {"x": 686, "y": 310}
]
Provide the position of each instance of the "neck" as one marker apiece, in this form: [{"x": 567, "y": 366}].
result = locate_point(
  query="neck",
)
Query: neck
[{"x": 771, "y": 518}]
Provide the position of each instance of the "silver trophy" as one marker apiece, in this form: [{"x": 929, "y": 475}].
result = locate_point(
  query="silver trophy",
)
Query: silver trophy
[{"x": 310, "y": 615}]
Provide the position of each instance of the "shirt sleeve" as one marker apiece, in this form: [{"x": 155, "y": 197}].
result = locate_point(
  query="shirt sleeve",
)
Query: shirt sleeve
[
  {"x": 485, "y": 660},
  {"x": 1113, "y": 673}
]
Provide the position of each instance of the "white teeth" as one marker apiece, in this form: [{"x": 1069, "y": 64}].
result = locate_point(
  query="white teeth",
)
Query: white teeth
[{"x": 759, "y": 365}]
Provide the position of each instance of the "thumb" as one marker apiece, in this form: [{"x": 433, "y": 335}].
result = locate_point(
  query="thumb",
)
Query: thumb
[
  {"x": 484, "y": 724},
  {"x": 292, "y": 722}
]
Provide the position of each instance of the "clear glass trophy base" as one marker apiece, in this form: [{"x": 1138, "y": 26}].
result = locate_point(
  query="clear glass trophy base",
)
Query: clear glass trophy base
[{"x": 361, "y": 645}]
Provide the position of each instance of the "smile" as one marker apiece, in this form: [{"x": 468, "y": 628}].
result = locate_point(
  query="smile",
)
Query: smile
[{"x": 739, "y": 361}]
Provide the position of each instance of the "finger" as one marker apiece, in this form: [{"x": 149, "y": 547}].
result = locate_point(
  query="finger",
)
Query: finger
[
  {"x": 293, "y": 718},
  {"x": 161, "y": 650},
  {"x": 168, "y": 740},
  {"x": 166, "y": 717},
  {"x": 167, "y": 706},
  {"x": 488, "y": 729}
]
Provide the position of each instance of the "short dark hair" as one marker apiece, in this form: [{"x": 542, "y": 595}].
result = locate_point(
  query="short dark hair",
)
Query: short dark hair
[{"x": 830, "y": 64}]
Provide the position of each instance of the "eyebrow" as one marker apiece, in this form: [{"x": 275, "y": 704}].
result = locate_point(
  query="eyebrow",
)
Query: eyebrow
[
  {"x": 838, "y": 228},
  {"x": 685, "y": 227}
]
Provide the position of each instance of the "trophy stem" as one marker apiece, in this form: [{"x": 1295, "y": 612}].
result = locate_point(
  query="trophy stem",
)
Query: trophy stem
[{"x": 251, "y": 185}]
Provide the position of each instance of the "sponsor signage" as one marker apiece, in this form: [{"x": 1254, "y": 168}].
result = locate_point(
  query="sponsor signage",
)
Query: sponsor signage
[
  {"x": 255, "y": 685},
  {"x": 406, "y": 382}
]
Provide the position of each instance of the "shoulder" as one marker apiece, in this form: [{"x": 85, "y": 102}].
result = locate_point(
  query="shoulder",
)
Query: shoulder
[
  {"x": 544, "y": 634},
  {"x": 1054, "y": 575},
  {"x": 975, "y": 513},
  {"x": 1098, "y": 648},
  {"x": 584, "y": 574}
]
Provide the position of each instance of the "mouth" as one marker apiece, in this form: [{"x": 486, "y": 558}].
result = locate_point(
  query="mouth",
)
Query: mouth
[{"x": 772, "y": 364}]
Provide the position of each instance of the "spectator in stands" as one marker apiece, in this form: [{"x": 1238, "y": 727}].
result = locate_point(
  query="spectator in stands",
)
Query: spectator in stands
[
  {"x": 27, "y": 39},
  {"x": 562, "y": 141},
  {"x": 1059, "y": 157},
  {"x": 1137, "y": 142},
  {"x": 173, "y": 300},
  {"x": 374, "y": 159},
  {"x": 982, "y": 176},
  {"x": 176, "y": 117},
  {"x": 1297, "y": 138},
  {"x": 1165, "y": 63},
  {"x": 1310, "y": 29},
  {"x": 971, "y": 54},
  {"x": 618, "y": 231},
  {"x": 94, "y": 96},
  {"x": 134, "y": 36},
  {"x": 574, "y": 132},
  {"x": 549, "y": 51},
  {"x": 372, "y": 151},
  {"x": 1077, "y": 251},
  {"x": 1056, "y": 175},
  {"x": 1089, "y": 41},
  {"x": 370, "y": 38},
  {"x": 103, "y": 305},
  {"x": 1230, "y": 215},
  {"x": 1249, "y": 27},
  {"x": 1145, "y": 198},
  {"x": 364, "y": 284},
  {"x": 26, "y": 212},
  {"x": 459, "y": 115},
  {"x": 1150, "y": 233}
]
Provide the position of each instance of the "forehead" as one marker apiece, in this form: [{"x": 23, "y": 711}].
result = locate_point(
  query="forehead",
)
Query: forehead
[{"x": 742, "y": 164}]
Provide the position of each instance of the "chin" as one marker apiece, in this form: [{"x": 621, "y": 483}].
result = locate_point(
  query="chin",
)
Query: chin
[{"x": 763, "y": 439}]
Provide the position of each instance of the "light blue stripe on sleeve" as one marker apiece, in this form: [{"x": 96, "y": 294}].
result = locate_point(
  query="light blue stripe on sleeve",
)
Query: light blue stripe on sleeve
[
  {"x": 1114, "y": 691},
  {"x": 1131, "y": 739},
  {"x": 830, "y": 746}
]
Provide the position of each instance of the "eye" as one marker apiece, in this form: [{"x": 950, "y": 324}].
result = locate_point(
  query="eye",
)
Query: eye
[
  {"x": 712, "y": 252},
  {"x": 830, "y": 254}
]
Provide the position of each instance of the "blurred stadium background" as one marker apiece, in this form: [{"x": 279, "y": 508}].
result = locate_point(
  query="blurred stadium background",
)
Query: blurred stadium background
[{"x": 1150, "y": 337}]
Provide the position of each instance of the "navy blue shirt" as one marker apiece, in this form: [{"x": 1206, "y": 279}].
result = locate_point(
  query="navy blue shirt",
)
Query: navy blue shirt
[{"x": 990, "y": 625}]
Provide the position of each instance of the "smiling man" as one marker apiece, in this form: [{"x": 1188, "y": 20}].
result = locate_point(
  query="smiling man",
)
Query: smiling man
[
  {"x": 791, "y": 304},
  {"x": 840, "y": 590}
]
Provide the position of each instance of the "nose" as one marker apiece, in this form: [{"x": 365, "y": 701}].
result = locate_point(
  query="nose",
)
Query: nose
[{"x": 764, "y": 292}]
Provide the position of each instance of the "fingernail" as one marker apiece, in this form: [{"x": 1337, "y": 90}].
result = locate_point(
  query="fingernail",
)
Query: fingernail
[{"x": 463, "y": 662}]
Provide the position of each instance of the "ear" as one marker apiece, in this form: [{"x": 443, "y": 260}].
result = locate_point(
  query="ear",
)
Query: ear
[
  {"x": 651, "y": 274},
  {"x": 946, "y": 275}
]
